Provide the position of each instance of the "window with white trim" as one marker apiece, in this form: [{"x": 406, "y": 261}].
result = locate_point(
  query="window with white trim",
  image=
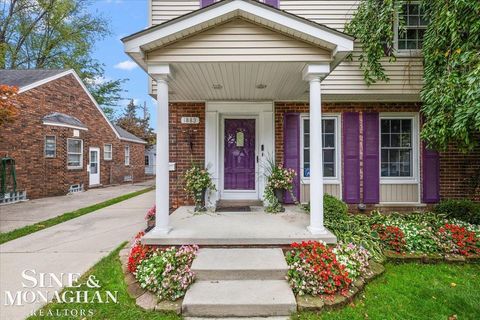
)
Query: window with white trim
[
  {"x": 329, "y": 146},
  {"x": 396, "y": 147},
  {"x": 127, "y": 155},
  {"x": 50, "y": 146},
  {"x": 74, "y": 153},
  {"x": 107, "y": 151},
  {"x": 415, "y": 25}
]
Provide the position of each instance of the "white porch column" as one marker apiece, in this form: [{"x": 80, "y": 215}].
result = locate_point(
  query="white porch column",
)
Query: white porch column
[
  {"x": 161, "y": 74},
  {"x": 314, "y": 74}
]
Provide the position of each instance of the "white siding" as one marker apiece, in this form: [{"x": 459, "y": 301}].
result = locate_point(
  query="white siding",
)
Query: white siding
[
  {"x": 398, "y": 193},
  {"x": 405, "y": 74},
  {"x": 331, "y": 189},
  {"x": 238, "y": 41}
]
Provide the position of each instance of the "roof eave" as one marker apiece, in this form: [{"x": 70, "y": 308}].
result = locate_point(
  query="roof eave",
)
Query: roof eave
[{"x": 136, "y": 44}]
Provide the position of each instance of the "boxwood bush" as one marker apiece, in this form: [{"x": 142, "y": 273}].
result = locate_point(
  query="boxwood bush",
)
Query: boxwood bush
[{"x": 465, "y": 210}]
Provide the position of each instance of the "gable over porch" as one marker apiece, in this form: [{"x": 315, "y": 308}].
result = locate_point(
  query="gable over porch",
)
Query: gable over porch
[{"x": 239, "y": 56}]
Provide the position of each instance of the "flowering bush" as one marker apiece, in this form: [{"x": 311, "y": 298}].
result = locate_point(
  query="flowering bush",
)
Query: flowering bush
[
  {"x": 314, "y": 269},
  {"x": 8, "y": 103},
  {"x": 353, "y": 257},
  {"x": 138, "y": 253},
  {"x": 151, "y": 214},
  {"x": 457, "y": 239},
  {"x": 197, "y": 181},
  {"x": 167, "y": 272},
  {"x": 392, "y": 237}
]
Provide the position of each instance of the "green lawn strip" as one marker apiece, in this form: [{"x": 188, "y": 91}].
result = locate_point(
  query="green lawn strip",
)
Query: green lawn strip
[
  {"x": 21, "y": 232},
  {"x": 415, "y": 291},
  {"x": 109, "y": 273}
]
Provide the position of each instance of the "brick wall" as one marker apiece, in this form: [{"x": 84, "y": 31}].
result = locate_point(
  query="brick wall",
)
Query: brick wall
[
  {"x": 187, "y": 146},
  {"x": 460, "y": 174},
  {"x": 187, "y": 142},
  {"x": 24, "y": 139}
]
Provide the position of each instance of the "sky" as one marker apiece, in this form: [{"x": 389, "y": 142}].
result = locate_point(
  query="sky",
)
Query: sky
[{"x": 125, "y": 17}]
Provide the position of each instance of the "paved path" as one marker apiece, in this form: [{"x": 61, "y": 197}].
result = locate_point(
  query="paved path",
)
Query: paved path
[
  {"x": 29, "y": 212},
  {"x": 70, "y": 247}
]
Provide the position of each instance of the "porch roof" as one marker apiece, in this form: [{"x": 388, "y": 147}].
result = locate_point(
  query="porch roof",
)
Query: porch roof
[{"x": 337, "y": 43}]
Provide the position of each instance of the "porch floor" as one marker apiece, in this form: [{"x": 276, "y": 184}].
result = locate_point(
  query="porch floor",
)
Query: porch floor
[{"x": 255, "y": 228}]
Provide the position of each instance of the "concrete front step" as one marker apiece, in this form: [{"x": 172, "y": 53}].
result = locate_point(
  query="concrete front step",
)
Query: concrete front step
[
  {"x": 240, "y": 264},
  {"x": 239, "y": 298}
]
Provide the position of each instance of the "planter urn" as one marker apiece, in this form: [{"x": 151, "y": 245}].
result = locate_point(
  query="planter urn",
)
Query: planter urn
[{"x": 200, "y": 201}]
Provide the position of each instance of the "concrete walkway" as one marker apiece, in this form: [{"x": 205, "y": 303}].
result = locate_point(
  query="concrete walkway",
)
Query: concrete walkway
[
  {"x": 70, "y": 247},
  {"x": 21, "y": 214}
]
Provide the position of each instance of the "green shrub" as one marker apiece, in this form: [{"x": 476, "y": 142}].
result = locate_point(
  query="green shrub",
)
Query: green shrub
[
  {"x": 348, "y": 227},
  {"x": 464, "y": 210}
]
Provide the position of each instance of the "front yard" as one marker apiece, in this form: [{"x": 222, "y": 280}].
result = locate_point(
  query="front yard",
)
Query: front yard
[{"x": 404, "y": 291}]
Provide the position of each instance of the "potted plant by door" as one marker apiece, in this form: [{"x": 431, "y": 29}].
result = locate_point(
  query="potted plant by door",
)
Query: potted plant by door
[
  {"x": 197, "y": 182},
  {"x": 279, "y": 180}
]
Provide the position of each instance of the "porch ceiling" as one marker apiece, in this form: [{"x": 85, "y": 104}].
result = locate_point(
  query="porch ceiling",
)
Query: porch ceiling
[{"x": 237, "y": 81}]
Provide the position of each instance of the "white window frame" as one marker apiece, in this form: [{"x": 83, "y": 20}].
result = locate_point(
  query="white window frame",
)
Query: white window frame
[
  {"x": 105, "y": 152},
  {"x": 404, "y": 52},
  {"x": 127, "y": 155},
  {"x": 414, "y": 178},
  {"x": 45, "y": 147},
  {"x": 338, "y": 146},
  {"x": 81, "y": 154}
]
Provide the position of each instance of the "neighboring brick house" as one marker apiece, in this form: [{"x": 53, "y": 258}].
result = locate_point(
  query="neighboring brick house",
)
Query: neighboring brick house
[
  {"x": 61, "y": 140},
  {"x": 241, "y": 81}
]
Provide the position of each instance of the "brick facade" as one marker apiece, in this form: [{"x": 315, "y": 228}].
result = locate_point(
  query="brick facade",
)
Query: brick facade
[
  {"x": 460, "y": 174},
  {"x": 24, "y": 141},
  {"x": 187, "y": 146}
]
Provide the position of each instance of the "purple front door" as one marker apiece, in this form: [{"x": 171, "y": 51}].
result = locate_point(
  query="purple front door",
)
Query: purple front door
[{"x": 239, "y": 158}]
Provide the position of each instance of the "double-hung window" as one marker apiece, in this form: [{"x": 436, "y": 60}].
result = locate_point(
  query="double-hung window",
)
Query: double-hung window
[
  {"x": 411, "y": 38},
  {"x": 107, "y": 151},
  {"x": 398, "y": 154},
  {"x": 74, "y": 153},
  {"x": 50, "y": 146},
  {"x": 329, "y": 144},
  {"x": 127, "y": 155}
]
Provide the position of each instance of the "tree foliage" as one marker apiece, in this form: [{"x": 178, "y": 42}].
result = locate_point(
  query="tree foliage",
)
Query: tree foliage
[
  {"x": 136, "y": 125},
  {"x": 373, "y": 26},
  {"x": 451, "y": 50},
  {"x": 8, "y": 104},
  {"x": 61, "y": 34},
  {"x": 451, "y": 95}
]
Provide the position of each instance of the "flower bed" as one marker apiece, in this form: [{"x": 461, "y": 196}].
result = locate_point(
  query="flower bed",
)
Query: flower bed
[
  {"x": 316, "y": 269},
  {"x": 164, "y": 272},
  {"x": 426, "y": 233}
]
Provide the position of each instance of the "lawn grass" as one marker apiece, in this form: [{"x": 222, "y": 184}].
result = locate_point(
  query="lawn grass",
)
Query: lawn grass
[
  {"x": 21, "y": 232},
  {"x": 415, "y": 291},
  {"x": 110, "y": 276}
]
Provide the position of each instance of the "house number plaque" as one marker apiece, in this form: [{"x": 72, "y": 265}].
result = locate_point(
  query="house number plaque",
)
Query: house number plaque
[{"x": 190, "y": 120}]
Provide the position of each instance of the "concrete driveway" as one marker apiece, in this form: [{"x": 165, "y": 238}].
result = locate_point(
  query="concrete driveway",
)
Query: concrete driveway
[
  {"x": 21, "y": 214},
  {"x": 70, "y": 247}
]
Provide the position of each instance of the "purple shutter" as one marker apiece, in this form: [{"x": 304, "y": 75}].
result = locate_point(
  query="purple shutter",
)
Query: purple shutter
[
  {"x": 204, "y": 3},
  {"x": 291, "y": 150},
  {"x": 273, "y": 3},
  {"x": 431, "y": 175},
  {"x": 351, "y": 157},
  {"x": 371, "y": 161}
]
